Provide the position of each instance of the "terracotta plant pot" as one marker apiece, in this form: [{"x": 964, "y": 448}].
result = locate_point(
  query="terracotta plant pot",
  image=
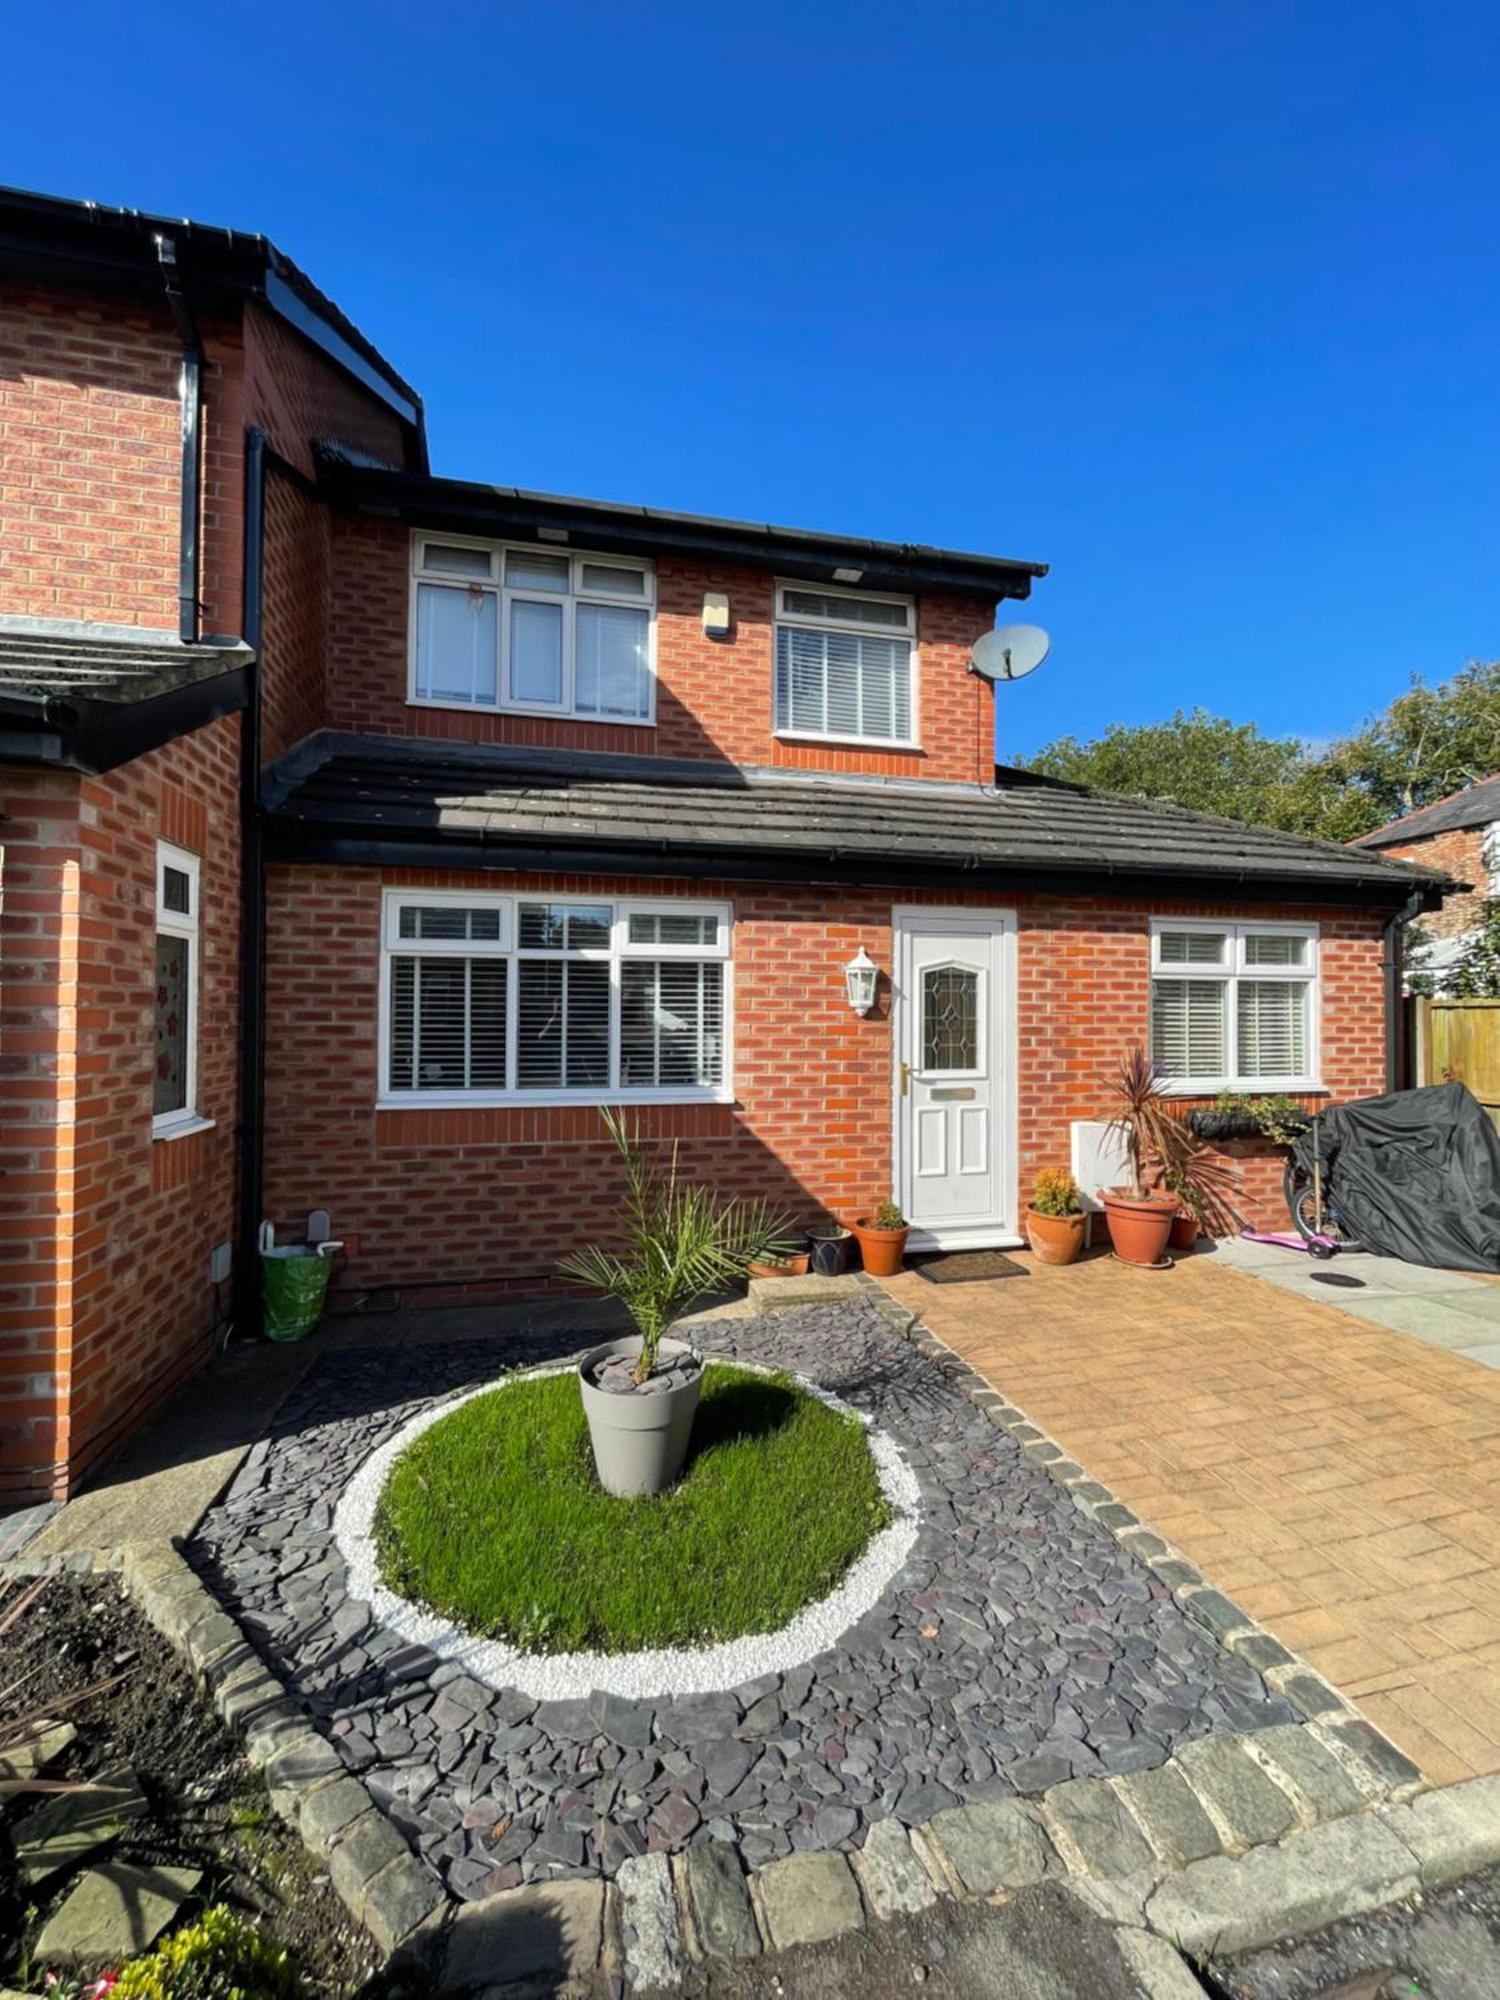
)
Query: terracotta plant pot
[
  {"x": 793, "y": 1267},
  {"x": 1055, "y": 1239},
  {"x": 881, "y": 1250},
  {"x": 1184, "y": 1233},
  {"x": 1139, "y": 1228}
]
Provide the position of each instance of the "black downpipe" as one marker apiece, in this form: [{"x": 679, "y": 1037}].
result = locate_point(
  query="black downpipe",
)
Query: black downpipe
[
  {"x": 1398, "y": 1075},
  {"x": 190, "y": 397},
  {"x": 252, "y": 909}
]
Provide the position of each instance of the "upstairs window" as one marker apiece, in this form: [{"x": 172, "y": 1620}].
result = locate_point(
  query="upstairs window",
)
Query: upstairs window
[
  {"x": 533, "y": 630},
  {"x": 175, "y": 1079},
  {"x": 526, "y": 999},
  {"x": 1234, "y": 1006},
  {"x": 844, "y": 665}
]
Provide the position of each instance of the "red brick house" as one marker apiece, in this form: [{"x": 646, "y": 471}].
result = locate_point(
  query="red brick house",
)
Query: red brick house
[
  {"x": 366, "y": 831},
  {"x": 1460, "y": 836}
]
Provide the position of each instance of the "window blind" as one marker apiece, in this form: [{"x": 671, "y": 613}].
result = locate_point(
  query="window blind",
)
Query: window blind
[
  {"x": 1189, "y": 1034},
  {"x": 448, "y": 1023},
  {"x": 671, "y": 1023},
  {"x": 842, "y": 684},
  {"x": 1272, "y": 1028}
]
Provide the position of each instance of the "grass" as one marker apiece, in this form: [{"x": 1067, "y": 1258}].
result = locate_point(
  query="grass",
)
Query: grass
[{"x": 495, "y": 1519}]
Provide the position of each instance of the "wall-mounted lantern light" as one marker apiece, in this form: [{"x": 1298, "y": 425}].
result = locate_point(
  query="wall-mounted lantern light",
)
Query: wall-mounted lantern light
[{"x": 860, "y": 975}]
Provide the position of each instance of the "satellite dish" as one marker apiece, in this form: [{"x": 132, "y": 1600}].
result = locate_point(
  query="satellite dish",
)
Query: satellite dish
[{"x": 1009, "y": 652}]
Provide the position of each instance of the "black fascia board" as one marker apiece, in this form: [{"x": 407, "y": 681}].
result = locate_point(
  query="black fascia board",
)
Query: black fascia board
[
  {"x": 97, "y": 736},
  {"x": 294, "y": 840},
  {"x": 463, "y": 507},
  {"x": 113, "y": 249}
]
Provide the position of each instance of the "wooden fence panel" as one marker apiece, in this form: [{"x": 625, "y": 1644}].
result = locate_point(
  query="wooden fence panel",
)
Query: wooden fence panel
[{"x": 1460, "y": 1039}]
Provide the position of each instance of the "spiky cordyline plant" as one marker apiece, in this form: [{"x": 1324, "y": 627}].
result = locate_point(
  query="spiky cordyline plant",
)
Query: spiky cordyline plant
[
  {"x": 1162, "y": 1152},
  {"x": 684, "y": 1240}
]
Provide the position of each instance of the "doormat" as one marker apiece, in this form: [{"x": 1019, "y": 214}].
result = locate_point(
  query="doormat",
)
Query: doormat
[{"x": 967, "y": 1267}]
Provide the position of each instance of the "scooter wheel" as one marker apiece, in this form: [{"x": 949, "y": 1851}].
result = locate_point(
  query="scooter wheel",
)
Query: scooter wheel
[{"x": 1322, "y": 1251}]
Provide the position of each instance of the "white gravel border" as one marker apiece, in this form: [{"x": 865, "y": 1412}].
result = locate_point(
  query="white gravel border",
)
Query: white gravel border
[{"x": 666, "y": 1671}]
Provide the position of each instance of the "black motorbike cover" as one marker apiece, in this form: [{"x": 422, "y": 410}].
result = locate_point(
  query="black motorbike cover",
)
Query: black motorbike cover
[{"x": 1416, "y": 1175}]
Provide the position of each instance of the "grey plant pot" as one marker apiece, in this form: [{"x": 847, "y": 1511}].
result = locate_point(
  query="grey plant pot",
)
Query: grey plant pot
[{"x": 639, "y": 1440}]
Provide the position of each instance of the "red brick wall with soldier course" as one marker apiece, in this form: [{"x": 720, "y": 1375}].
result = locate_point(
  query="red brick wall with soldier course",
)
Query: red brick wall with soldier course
[
  {"x": 713, "y": 697},
  {"x": 496, "y": 1194},
  {"x": 1460, "y": 853}
]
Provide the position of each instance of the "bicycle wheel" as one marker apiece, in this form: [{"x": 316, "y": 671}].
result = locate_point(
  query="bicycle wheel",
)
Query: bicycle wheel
[{"x": 1324, "y": 1233}]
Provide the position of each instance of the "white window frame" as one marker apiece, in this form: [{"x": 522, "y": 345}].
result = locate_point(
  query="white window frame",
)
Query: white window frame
[
  {"x": 618, "y": 951},
  {"x": 807, "y": 622},
  {"x": 1235, "y": 968},
  {"x": 505, "y": 595},
  {"x": 177, "y": 923}
]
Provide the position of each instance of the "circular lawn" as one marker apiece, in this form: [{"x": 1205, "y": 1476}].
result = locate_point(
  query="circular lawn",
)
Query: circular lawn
[{"x": 494, "y": 1518}]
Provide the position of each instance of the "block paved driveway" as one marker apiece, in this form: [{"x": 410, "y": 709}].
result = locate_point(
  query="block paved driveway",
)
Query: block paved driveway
[{"x": 1339, "y": 1479}]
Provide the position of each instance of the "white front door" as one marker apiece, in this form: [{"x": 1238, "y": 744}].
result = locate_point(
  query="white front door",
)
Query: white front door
[{"x": 954, "y": 1050}]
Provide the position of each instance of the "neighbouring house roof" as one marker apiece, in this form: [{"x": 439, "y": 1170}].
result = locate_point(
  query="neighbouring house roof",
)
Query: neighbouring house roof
[
  {"x": 392, "y": 800},
  {"x": 85, "y": 241},
  {"x": 1476, "y": 805},
  {"x": 462, "y": 506},
  {"x": 92, "y": 697}
]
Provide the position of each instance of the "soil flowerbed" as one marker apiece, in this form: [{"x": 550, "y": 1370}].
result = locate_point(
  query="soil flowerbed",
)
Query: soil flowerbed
[
  {"x": 206, "y": 1808},
  {"x": 494, "y": 1518}
]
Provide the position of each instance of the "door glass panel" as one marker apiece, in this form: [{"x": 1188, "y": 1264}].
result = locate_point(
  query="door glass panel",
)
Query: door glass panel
[{"x": 950, "y": 1018}]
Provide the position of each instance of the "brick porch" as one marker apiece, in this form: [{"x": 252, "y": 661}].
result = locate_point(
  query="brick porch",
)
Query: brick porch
[{"x": 1340, "y": 1481}]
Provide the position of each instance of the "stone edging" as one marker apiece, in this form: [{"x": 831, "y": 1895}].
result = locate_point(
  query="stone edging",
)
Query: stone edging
[{"x": 1230, "y": 1845}]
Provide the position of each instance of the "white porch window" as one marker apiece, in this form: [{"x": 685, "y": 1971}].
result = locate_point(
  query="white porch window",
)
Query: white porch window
[
  {"x": 1235, "y": 1005},
  {"x": 528, "y": 999},
  {"x": 844, "y": 665},
  {"x": 531, "y": 630},
  {"x": 174, "y": 1089}
]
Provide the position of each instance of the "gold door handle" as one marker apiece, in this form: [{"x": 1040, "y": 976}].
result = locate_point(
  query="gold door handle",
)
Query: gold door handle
[{"x": 905, "y": 1078}]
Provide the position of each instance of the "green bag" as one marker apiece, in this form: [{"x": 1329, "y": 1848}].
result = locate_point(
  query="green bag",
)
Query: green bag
[{"x": 294, "y": 1284}]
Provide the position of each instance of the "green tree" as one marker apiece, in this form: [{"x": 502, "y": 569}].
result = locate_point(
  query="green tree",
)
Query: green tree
[{"x": 1431, "y": 740}]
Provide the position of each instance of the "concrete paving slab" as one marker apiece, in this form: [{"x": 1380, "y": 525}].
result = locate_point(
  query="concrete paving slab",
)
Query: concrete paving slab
[
  {"x": 73, "y": 1825},
  {"x": 1424, "y": 1318},
  {"x": 114, "y": 1912},
  {"x": 1481, "y": 1303},
  {"x": 1488, "y": 1356}
]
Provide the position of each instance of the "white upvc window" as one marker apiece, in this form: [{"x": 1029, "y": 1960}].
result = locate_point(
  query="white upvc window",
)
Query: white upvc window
[
  {"x": 844, "y": 665},
  {"x": 533, "y": 630},
  {"x": 1234, "y": 1006},
  {"x": 528, "y": 999},
  {"x": 174, "y": 1088}
]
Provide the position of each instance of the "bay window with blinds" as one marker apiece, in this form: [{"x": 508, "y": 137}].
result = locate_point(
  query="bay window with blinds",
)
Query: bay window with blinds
[
  {"x": 528, "y": 999},
  {"x": 1234, "y": 1006},
  {"x": 844, "y": 666}
]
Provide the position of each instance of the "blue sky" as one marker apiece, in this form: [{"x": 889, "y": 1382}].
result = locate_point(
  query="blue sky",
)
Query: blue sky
[{"x": 1197, "y": 303}]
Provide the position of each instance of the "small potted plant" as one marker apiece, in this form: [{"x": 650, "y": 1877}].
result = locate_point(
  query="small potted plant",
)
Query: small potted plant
[
  {"x": 640, "y": 1393},
  {"x": 882, "y": 1239},
  {"x": 1055, "y": 1218},
  {"x": 1187, "y": 1224},
  {"x": 793, "y": 1265}
]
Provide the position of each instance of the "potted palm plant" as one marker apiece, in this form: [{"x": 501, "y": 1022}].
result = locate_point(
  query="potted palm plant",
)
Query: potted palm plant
[
  {"x": 1164, "y": 1159},
  {"x": 882, "y": 1239},
  {"x": 640, "y": 1393},
  {"x": 1055, "y": 1218}
]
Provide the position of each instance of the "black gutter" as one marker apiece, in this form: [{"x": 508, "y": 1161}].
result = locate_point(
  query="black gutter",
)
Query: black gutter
[
  {"x": 96, "y": 736},
  {"x": 252, "y": 912},
  {"x": 465, "y": 507},
  {"x": 190, "y": 398},
  {"x": 297, "y": 841}
]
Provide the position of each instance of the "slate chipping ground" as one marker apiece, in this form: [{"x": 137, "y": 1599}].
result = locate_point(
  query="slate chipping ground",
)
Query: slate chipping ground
[{"x": 1021, "y": 1647}]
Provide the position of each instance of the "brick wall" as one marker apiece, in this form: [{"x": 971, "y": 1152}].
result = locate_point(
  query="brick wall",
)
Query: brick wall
[
  {"x": 713, "y": 698},
  {"x": 1460, "y": 853},
  {"x": 107, "y": 1232},
  {"x": 297, "y": 396},
  {"x": 497, "y": 1193}
]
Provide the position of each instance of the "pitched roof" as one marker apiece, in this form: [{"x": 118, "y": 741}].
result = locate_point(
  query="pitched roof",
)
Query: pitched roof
[
  {"x": 92, "y": 698},
  {"x": 1476, "y": 805},
  {"x": 391, "y": 798},
  {"x": 38, "y": 659}
]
